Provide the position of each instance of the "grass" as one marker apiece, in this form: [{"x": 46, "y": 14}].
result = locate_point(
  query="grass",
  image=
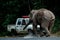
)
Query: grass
[{"x": 56, "y": 34}]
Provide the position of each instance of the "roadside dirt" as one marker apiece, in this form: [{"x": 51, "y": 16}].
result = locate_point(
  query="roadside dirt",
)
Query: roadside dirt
[{"x": 57, "y": 34}]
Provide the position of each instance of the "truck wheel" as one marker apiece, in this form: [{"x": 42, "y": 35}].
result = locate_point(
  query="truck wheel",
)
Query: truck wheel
[
  {"x": 31, "y": 31},
  {"x": 13, "y": 31}
]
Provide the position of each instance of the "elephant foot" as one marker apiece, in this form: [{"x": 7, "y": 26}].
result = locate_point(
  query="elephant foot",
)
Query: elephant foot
[
  {"x": 41, "y": 35},
  {"x": 47, "y": 35}
]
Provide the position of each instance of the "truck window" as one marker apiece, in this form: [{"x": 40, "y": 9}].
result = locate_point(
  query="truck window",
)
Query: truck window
[
  {"x": 23, "y": 22},
  {"x": 19, "y": 22}
]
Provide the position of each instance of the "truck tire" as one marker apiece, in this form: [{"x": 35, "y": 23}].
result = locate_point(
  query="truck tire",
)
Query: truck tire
[
  {"x": 13, "y": 32},
  {"x": 31, "y": 31}
]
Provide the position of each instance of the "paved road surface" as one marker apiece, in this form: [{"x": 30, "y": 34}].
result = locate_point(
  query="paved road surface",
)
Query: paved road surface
[
  {"x": 43, "y": 38},
  {"x": 30, "y": 37}
]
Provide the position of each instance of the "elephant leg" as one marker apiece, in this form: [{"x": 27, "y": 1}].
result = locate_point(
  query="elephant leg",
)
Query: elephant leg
[
  {"x": 41, "y": 32},
  {"x": 45, "y": 25},
  {"x": 35, "y": 29},
  {"x": 51, "y": 24},
  {"x": 48, "y": 32}
]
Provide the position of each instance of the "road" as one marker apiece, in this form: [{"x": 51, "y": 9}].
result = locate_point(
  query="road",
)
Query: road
[
  {"x": 41, "y": 38},
  {"x": 30, "y": 37}
]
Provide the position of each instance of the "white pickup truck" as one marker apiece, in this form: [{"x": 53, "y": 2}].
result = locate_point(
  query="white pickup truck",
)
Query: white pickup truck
[{"x": 20, "y": 24}]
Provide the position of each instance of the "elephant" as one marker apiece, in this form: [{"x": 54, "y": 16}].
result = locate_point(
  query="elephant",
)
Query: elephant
[{"x": 43, "y": 17}]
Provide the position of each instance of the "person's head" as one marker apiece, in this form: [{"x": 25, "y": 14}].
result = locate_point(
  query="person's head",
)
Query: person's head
[{"x": 23, "y": 22}]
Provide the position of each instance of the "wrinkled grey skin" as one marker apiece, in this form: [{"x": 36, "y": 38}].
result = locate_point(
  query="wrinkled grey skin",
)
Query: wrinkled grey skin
[{"x": 45, "y": 18}]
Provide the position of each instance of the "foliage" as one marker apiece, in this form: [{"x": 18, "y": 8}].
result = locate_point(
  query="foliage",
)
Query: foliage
[
  {"x": 8, "y": 19},
  {"x": 38, "y": 4},
  {"x": 56, "y": 27}
]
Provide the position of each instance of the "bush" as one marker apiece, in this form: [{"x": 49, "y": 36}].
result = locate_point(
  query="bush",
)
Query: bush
[
  {"x": 8, "y": 18},
  {"x": 56, "y": 27}
]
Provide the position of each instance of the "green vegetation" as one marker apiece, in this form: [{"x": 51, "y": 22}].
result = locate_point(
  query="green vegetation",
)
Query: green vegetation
[{"x": 56, "y": 27}]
